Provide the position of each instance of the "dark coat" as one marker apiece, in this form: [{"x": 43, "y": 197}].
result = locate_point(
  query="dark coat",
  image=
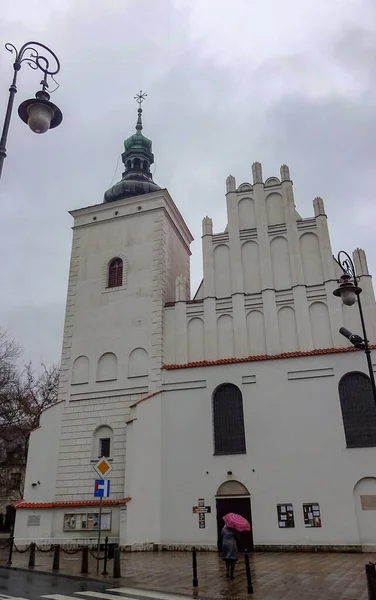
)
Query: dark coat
[{"x": 229, "y": 542}]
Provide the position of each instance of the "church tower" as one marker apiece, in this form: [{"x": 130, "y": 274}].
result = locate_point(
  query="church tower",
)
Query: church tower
[{"x": 127, "y": 253}]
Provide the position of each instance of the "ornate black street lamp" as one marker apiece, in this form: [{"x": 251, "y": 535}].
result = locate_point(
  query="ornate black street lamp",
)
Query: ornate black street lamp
[
  {"x": 349, "y": 291},
  {"x": 39, "y": 113}
]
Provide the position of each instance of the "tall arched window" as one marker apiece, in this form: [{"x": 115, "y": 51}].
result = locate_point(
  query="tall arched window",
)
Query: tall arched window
[
  {"x": 358, "y": 410},
  {"x": 115, "y": 273},
  {"x": 228, "y": 420}
]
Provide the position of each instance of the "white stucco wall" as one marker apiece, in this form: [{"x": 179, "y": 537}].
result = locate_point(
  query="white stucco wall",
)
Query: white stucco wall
[
  {"x": 296, "y": 453},
  {"x": 143, "y": 479},
  {"x": 43, "y": 456},
  {"x": 41, "y": 470}
]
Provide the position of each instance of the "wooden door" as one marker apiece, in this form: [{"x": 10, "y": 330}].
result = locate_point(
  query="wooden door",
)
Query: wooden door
[{"x": 240, "y": 506}]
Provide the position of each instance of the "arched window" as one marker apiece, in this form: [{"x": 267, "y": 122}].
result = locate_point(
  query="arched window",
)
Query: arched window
[
  {"x": 115, "y": 273},
  {"x": 358, "y": 410},
  {"x": 102, "y": 442},
  {"x": 228, "y": 420}
]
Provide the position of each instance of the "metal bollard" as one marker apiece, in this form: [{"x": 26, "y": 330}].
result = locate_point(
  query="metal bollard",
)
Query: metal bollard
[
  {"x": 194, "y": 567},
  {"x": 33, "y": 547},
  {"x": 117, "y": 568},
  {"x": 11, "y": 542},
  {"x": 371, "y": 581},
  {"x": 248, "y": 572},
  {"x": 56, "y": 561},
  {"x": 85, "y": 560},
  {"x": 105, "y": 557}
]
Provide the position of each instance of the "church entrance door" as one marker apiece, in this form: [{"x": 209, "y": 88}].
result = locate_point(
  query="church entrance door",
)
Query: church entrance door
[{"x": 233, "y": 496}]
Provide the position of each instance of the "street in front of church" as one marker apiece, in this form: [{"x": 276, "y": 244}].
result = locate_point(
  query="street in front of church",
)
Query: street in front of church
[{"x": 163, "y": 575}]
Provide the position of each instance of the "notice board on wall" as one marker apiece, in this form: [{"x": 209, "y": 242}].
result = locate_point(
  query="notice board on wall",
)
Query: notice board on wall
[{"x": 285, "y": 515}]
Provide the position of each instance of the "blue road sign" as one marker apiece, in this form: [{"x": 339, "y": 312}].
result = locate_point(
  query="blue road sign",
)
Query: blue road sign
[{"x": 102, "y": 488}]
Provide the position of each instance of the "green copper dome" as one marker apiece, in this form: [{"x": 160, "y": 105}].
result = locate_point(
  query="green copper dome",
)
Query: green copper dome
[
  {"x": 137, "y": 159},
  {"x": 137, "y": 140}
]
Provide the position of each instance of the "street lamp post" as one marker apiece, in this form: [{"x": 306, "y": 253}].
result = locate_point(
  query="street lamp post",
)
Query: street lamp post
[
  {"x": 349, "y": 291},
  {"x": 39, "y": 113}
]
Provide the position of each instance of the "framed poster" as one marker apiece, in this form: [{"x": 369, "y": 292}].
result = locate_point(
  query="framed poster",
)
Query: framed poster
[
  {"x": 87, "y": 521},
  {"x": 285, "y": 514},
  {"x": 312, "y": 515},
  {"x": 70, "y": 522}
]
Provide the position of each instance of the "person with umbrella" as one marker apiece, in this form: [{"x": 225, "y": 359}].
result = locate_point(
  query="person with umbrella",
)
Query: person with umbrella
[{"x": 230, "y": 540}]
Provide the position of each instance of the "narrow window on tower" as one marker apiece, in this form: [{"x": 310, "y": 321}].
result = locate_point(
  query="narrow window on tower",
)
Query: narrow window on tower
[
  {"x": 115, "y": 273},
  {"x": 102, "y": 442},
  {"x": 105, "y": 447}
]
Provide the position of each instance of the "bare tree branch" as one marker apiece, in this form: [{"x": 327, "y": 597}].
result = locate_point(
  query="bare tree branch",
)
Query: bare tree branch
[{"x": 24, "y": 394}]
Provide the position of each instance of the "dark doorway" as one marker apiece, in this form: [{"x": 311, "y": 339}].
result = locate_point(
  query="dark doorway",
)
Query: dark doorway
[
  {"x": 10, "y": 517},
  {"x": 240, "y": 506}
]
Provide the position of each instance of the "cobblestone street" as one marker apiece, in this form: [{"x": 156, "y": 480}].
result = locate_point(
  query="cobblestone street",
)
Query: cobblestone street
[{"x": 276, "y": 576}]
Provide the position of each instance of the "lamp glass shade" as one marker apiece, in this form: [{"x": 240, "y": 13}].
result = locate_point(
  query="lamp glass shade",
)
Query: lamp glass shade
[
  {"x": 40, "y": 116},
  {"x": 348, "y": 296}
]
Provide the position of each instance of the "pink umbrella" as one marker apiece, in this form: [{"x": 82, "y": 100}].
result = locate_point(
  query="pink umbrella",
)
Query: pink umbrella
[{"x": 236, "y": 522}]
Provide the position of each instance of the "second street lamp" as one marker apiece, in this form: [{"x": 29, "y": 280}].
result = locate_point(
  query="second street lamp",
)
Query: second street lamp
[
  {"x": 39, "y": 113},
  {"x": 349, "y": 291}
]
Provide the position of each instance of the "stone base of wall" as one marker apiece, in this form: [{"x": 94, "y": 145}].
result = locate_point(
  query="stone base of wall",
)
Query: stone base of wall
[
  {"x": 305, "y": 548},
  {"x": 150, "y": 547},
  {"x": 258, "y": 548},
  {"x": 169, "y": 548}
]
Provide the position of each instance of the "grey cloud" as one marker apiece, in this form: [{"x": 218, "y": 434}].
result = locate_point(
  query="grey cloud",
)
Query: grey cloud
[{"x": 207, "y": 118}]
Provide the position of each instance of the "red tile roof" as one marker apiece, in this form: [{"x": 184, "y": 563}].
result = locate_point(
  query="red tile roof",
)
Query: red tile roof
[
  {"x": 146, "y": 398},
  {"x": 229, "y": 361},
  {"x": 70, "y": 503}
]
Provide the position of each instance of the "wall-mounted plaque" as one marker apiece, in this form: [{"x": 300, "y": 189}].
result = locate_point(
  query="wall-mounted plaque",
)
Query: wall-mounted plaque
[{"x": 33, "y": 520}]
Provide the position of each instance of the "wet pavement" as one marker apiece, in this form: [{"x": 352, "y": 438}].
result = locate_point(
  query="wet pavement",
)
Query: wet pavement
[
  {"x": 276, "y": 576},
  {"x": 33, "y": 586}
]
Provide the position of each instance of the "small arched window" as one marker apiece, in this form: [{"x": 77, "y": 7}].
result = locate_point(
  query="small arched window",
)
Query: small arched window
[
  {"x": 102, "y": 442},
  {"x": 358, "y": 410},
  {"x": 228, "y": 420},
  {"x": 115, "y": 273}
]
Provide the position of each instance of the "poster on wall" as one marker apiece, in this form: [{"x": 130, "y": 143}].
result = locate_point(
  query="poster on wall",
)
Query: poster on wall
[
  {"x": 312, "y": 515},
  {"x": 285, "y": 514},
  {"x": 70, "y": 522},
  {"x": 87, "y": 521}
]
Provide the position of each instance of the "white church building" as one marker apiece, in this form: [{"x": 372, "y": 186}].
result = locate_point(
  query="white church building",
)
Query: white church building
[{"x": 243, "y": 397}]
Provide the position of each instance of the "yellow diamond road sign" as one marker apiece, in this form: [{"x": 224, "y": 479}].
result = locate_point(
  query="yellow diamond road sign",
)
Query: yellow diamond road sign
[{"x": 103, "y": 467}]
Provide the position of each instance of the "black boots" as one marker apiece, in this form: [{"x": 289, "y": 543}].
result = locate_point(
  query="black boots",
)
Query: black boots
[{"x": 232, "y": 569}]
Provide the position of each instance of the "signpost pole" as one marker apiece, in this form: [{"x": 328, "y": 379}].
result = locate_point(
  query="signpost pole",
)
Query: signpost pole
[
  {"x": 101, "y": 488},
  {"x": 99, "y": 531}
]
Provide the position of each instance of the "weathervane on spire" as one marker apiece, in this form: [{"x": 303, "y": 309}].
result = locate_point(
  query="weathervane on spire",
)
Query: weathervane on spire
[{"x": 140, "y": 97}]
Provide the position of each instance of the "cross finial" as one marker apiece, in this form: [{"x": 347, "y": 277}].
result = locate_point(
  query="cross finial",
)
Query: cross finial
[{"x": 140, "y": 97}]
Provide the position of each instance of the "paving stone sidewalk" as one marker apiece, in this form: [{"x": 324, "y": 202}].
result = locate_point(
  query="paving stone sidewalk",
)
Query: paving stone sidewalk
[{"x": 276, "y": 576}]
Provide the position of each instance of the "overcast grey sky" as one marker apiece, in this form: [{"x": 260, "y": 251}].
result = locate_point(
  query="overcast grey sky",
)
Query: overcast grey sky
[{"x": 228, "y": 83}]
